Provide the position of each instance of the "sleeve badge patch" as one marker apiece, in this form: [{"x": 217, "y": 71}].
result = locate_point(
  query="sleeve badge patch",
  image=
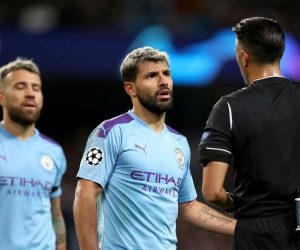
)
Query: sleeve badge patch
[{"x": 94, "y": 156}]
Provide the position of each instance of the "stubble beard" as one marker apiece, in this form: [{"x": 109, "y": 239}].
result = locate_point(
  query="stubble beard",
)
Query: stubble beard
[
  {"x": 153, "y": 105},
  {"x": 23, "y": 118}
]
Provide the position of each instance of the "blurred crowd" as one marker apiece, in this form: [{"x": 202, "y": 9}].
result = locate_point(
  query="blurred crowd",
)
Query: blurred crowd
[{"x": 192, "y": 16}]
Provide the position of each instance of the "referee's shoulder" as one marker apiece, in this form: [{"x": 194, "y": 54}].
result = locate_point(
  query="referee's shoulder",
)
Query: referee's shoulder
[
  {"x": 239, "y": 92},
  {"x": 296, "y": 84}
]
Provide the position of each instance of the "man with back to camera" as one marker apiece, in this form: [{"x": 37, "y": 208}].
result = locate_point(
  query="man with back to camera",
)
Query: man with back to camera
[
  {"x": 258, "y": 129},
  {"x": 31, "y": 165},
  {"x": 134, "y": 176}
]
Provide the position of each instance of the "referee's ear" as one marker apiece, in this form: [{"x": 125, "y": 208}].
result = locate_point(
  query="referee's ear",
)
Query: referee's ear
[
  {"x": 245, "y": 58},
  {"x": 130, "y": 89}
]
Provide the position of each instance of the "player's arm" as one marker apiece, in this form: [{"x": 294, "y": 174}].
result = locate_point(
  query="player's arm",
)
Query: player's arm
[
  {"x": 58, "y": 224},
  {"x": 85, "y": 214},
  {"x": 205, "y": 217},
  {"x": 213, "y": 191}
]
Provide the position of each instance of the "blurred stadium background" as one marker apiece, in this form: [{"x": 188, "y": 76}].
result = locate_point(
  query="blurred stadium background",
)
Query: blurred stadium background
[{"x": 79, "y": 45}]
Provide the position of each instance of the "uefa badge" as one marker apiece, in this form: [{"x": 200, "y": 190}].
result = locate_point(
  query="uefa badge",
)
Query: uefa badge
[
  {"x": 179, "y": 156},
  {"x": 94, "y": 156},
  {"x": 47, "y": 162}
]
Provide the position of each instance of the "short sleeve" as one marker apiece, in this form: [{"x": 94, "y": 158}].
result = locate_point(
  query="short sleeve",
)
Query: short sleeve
[
  {"x": 100, "y": 155},
  {"x": 61, "y": 165},
  {"x": 215, "y": 144},
  {"x": 187, "y": 191}
]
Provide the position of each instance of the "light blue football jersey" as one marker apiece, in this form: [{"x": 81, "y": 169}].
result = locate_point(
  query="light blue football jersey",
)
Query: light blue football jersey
[
  {"x": 30, "y": 175},
  {"x": 144, "y": 176}
]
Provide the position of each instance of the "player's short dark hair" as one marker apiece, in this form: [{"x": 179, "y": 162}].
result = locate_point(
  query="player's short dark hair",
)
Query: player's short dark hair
[
  {"x": 19, "y": 63},
  {"x": 130, "y": 65},
  {"x": 263, "y": 37}
]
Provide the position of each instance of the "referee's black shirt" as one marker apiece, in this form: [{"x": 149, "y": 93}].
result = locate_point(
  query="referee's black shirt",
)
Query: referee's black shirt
[{"x": 258, "y": 127}]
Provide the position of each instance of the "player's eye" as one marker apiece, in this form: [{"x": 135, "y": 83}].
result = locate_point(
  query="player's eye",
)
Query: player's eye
[
  {"x": 36, "y": 87},
  {"x": 19, "y": 86},
  {"x": 167, "y": 73},
  {"x": 152, "y": 75}
]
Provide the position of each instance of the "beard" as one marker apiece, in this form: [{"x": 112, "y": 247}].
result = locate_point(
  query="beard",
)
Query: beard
[
  {"x": 153, "y": 105},
  {"x": 22, "y": 117}
]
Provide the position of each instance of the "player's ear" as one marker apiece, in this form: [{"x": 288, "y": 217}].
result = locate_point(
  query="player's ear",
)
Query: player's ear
[{"x": 130, "y": 89}]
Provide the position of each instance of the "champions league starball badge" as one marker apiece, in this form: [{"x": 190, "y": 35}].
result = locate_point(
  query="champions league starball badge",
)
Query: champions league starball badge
[
  {"x": 179, "y": 156},
  {"x": 94, "y": 156}
]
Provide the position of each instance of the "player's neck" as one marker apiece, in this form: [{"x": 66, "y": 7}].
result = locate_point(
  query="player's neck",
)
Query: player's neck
[
  {"x": 155, "y": 121},
  {"x": 20, "y": 131}
]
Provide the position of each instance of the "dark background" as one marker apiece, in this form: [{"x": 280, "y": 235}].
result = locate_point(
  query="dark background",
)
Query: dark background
[{"x": 79, "y": 44}]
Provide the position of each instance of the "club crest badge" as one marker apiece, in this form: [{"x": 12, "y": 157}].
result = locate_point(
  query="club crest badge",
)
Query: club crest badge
[
  {"x": 179, "y": 156},
  {"x": 47, "y": 162},
  {"x": 94, "y": 156}
]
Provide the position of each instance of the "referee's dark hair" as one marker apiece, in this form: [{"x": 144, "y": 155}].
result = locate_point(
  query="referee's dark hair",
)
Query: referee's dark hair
[{"x": 263, "y": 37}]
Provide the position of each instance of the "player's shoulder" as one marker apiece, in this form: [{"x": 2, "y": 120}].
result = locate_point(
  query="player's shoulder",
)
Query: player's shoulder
[
  {"x": 48, "y": 141},
  {"x": 173, "y": 132},
  {"x": 106, "y": 126},
  {"x": 178, "y": 138}
]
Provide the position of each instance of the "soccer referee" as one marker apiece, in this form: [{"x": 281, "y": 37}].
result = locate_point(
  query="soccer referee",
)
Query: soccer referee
[{"x": 257, "y": 131}]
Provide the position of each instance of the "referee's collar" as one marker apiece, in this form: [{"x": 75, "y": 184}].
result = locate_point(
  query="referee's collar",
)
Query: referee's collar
[{"x": 270, "y": 80}]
